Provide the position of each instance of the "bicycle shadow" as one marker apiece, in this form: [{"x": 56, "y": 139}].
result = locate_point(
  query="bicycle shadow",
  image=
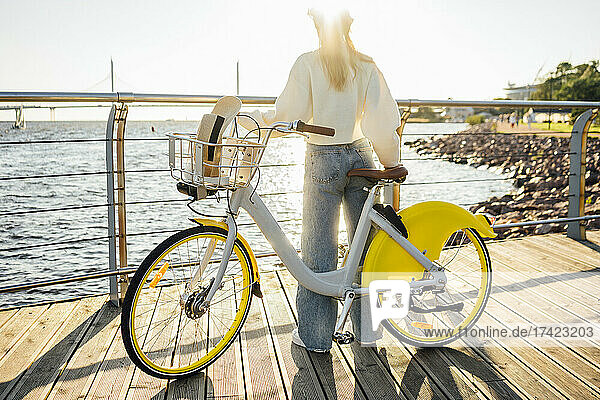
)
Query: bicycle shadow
[
  {"x": 373, "y": 377},
  {"x": 428, "y": 359},
  {"x": 368, "y": 381},
  {"x": 198, "y": 386}
]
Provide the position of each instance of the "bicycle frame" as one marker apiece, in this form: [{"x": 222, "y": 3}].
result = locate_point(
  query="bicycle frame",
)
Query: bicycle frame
[{"x": 336, "y": 283}]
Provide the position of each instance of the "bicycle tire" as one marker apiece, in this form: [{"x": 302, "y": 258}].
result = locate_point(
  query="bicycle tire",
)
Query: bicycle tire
[
  {"x": 453, "y": 333},
  {"x": 142, "y": 354}
]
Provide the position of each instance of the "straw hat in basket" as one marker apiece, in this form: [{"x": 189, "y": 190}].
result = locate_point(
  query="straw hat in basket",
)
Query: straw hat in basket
[{"x": 211, "y": 130}]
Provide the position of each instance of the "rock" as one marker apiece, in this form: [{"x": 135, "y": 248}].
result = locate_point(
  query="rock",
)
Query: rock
[
  {"x": 542, "y": 229},
  {"x": 538, "y": 165}
]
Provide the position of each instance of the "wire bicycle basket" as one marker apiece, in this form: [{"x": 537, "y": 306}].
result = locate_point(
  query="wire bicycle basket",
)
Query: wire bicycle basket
[{"x": 230, "y": 164}]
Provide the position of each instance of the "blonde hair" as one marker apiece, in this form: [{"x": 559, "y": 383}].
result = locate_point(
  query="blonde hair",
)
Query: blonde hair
[{"x": 337, "y": 53}]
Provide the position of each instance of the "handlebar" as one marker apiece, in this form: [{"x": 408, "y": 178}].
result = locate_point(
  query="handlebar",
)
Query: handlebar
[
  {"x": 319, "y": 130},
  {"x": 299, "y": 126}
]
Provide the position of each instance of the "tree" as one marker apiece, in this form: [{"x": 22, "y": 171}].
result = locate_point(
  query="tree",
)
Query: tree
[{"x": 567, "y": 82}]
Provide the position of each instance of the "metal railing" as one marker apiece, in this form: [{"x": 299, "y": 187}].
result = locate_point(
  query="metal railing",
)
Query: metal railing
[
  {"x": 115, "y": 166},
  {"x": 129, "y": 97}
]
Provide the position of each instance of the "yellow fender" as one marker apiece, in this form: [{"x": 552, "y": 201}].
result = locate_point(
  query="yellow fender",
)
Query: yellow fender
[
  {"x": 429, "y": 225},
  {"x": 221, "y": 224}
]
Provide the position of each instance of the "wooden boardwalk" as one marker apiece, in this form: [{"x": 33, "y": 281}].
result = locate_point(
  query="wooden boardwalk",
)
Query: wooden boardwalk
[{"x": 73, "y": 350}]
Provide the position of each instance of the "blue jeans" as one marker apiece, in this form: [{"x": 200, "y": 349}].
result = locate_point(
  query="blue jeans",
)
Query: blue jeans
[{"x": 326, "y": 186}]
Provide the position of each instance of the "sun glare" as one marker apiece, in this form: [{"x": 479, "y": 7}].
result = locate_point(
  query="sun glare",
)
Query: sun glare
[{"x": 328, "y": 10}]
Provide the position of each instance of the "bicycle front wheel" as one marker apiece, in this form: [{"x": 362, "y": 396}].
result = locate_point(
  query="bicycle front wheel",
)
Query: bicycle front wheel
[
  {"x": 436, "y": 318},
  {"x": 166, "y": 332}
]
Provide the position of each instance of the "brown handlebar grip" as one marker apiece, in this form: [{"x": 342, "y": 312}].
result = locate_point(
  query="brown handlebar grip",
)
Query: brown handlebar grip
[{"x": 319, "y": 130}]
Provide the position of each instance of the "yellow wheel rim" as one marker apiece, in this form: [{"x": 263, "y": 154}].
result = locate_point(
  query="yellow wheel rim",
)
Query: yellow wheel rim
[
  {"x": 483, "y": 261},
  {"x": 241, "y": 301}
]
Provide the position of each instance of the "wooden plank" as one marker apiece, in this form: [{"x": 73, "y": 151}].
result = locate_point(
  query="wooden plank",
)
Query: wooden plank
[
  {"x": 551, "y": 301},
  {"x": 537, "y": 306},
  {"x": 471, "y": 365},
  {"x": 372, "y": 375},
  {"x": 526, "y": 261},
  {"x": 542, "y": 310},
  {"x": 81, "y": 369},
  {"x": 561, "y": 301},
  {"x": 191, "y": 346},
  {"x": 114, "y": 378},
  {"x": 579, "y": 276},
  {"x": 559, "y": 371},
  {"x": 336, "y": 375},
  {"x": 17, "y": 326},
  {"x": 374, "y": 378},
  {"x": 40, "y": 377},
  {"x": 407, "y": 372},
  {"x": 6, "y": 315},
  {"x": 589, "y": 247},
  {"x": 521, "y": 372},
  {"x": 159, "y": 343},
  {"x": 225, "y": 375},
  {"x": 299, "y": 375},
  {"x": 565, "y": 293},
  {"x": 444, "y": 374},
  {"x": 564, "y": 248},
  {"x": 261, "y": 371},
  {"x": 116, "y": 370},
  {"x": 488, "y": 369},
  {"x": 23, "y": 354},
  {"x": 114, "y": 374},
  {"x": 508, "y": 381},
  {"x": 487, "y": 376}
]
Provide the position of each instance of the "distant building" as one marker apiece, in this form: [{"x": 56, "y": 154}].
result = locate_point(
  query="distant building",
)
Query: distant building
[{"x": 514, "y": 92}]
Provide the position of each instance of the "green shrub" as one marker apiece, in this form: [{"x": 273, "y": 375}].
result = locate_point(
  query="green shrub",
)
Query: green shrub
[{"x": 475, "y": 119}]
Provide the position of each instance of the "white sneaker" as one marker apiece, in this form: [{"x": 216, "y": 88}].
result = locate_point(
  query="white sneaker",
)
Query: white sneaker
[
  {"x": 367, "y": 343},
  {"x": 298, "y": 342}
]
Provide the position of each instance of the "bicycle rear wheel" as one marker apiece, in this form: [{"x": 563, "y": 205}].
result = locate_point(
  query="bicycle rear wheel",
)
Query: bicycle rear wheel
[
  {"x": 165, "y": 331},
  {"x": 438, "y": 318}
]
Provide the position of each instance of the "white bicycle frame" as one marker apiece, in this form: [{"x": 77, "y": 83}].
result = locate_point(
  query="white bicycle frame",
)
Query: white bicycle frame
[{"x": 338, "y": 283}]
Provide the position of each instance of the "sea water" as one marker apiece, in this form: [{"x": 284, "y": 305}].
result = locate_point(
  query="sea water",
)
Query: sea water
[{"x": 147, "y": 181}]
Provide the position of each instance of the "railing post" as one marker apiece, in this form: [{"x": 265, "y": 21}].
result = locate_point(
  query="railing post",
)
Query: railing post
[
  {"x": 576, "y": 230},
  {"x": 391, "y": 191},
  {"x": 110, "y": 195},
  {"x": 121, "y": 119}
]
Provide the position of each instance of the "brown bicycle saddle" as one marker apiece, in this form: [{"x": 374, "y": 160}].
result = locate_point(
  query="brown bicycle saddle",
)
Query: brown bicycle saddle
[{"x": 397, "y": 173}]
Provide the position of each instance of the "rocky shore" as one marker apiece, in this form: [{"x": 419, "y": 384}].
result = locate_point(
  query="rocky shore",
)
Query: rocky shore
[{"x": 538, "y": 166}]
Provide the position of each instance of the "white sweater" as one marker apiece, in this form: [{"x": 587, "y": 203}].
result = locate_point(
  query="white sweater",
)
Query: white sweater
[{"x": 364, "y": 108}]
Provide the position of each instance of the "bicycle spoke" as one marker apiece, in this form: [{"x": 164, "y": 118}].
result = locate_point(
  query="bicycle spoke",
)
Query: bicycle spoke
[
  {"x": 172, "y": 340},
  {"x": 465, "y": 269}
]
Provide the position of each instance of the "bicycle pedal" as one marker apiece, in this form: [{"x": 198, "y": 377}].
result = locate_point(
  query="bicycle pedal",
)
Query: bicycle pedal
[{"x": 343, "y": 337}]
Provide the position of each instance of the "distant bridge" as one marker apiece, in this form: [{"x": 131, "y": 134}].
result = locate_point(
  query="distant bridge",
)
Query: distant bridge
[{"x": 20, "y": 115}]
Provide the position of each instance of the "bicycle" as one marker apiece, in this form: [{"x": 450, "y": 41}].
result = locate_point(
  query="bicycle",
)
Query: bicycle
[{"x": 191, "y": 295}]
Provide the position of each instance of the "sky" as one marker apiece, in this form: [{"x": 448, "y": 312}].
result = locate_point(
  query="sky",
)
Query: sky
[{"x": 426, "y": 49}]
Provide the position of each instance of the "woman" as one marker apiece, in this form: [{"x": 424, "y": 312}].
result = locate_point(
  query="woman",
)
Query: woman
[{"x": 338, "y": 87}]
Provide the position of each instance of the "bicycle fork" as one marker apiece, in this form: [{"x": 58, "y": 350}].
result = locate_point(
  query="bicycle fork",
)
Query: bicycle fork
[{"x": 227, "y": 251}]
